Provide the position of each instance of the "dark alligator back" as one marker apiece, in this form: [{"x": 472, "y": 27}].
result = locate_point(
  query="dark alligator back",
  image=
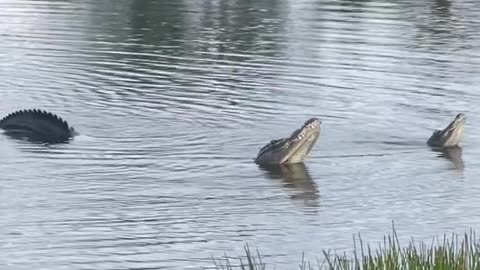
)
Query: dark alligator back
[{"x": 37, "y": 126}]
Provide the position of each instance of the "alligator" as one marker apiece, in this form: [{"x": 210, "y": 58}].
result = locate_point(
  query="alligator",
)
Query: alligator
[
  {"x": 293, "y": 149},
  {"x": 37, "y": 126},
  {"x": 450, "y": 136}
]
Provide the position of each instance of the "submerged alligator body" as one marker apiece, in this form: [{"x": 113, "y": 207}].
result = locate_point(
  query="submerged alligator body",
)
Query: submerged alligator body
[
  {"x": 37, "y": 126},
  {"x": 293, "y": 149},
  {"x": 450, "y": 136}
]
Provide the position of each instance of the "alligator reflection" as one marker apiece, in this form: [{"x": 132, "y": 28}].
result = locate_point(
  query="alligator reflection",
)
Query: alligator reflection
[
  {"x": 32, "y": 137},
  {"x": 297, "y": 179},
  {"x": 454, "y": 154}
]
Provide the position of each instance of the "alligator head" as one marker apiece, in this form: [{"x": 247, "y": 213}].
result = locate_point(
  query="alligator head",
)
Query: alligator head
[
  {"x": 293, "y": 149},
  {"x": 37, "y": 126},
  {"x": 452, "y": 135}
]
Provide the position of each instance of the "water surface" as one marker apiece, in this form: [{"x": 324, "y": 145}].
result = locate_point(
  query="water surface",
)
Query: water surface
[{"x": 173, "y": 100}]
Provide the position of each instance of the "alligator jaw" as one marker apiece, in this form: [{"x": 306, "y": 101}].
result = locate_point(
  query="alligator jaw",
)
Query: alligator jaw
[
  {"x": 293, "y": 149},
  {"x": 301, "y": 151},
  {"x": 450, "y": 136}
]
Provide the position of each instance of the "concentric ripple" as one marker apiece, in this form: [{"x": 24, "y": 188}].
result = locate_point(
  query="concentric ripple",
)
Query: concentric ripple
[{"x": 173, "y": 100}]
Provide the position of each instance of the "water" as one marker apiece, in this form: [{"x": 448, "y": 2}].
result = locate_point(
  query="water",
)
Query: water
[{"x": 173, "y": 100}]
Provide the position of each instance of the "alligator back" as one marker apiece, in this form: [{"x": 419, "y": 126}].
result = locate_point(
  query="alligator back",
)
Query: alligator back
[{"x": 37, "y": 126}]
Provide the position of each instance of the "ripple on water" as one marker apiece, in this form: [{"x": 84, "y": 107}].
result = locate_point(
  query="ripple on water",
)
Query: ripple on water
[{"x": 173, "y": 101}]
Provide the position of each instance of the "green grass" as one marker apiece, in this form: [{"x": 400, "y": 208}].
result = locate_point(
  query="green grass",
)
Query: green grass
[{"x": 446, "y": 253}]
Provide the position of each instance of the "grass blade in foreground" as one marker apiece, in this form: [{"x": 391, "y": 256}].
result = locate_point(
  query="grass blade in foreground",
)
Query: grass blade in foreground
[{"x": 454, "y": 253}]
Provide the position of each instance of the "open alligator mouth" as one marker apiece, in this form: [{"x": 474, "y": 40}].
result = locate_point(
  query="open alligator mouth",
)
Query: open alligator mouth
[
  {"x": 450, "y": 136},
  {"x": 302, "y": 142},
  {"x": 293, "y": 149}
]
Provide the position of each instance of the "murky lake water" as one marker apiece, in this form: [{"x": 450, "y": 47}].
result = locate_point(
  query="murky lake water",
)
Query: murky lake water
[{"x": 173, "y": 100}]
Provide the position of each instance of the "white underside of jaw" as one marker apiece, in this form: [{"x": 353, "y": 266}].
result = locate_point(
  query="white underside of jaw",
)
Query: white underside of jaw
[
  {"x": 455, "y": 138},
  {"x": 301, "y": 152}
]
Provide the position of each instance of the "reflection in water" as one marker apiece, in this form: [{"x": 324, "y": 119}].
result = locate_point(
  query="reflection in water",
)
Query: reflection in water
[
  {"x": 27, "y": 136},
  {"x": 454, "y": 154},
  {"x": 297, "y": 179},
  {"x": 188, "y": 58},
  {"x": 170, "y": 98},
  {"x": 442, "y": 8},
  {"x": 440, "y": 23}
]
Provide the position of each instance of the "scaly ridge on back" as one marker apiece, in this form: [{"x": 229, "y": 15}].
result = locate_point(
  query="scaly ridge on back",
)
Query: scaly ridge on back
[{"x": 37, "y": 125}]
